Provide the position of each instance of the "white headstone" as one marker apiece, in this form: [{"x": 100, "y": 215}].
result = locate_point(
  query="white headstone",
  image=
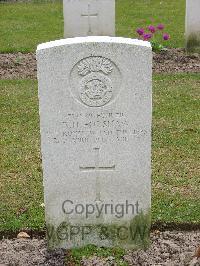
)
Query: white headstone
[
  {"x": 95, "y": 120},
  {"x": 89, "y": 18},
  {"x": 193, "y": 24}
]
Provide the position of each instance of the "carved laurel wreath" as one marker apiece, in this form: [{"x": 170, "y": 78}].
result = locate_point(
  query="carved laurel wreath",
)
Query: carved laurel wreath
[{"x": 95, "y": 64}]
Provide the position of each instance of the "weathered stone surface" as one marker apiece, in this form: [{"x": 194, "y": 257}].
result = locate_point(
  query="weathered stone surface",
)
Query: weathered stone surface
[
  {"x": 95, "y": 113},
  {"x": 193, "y": 25},
  {"x": 89, "y": 18}
]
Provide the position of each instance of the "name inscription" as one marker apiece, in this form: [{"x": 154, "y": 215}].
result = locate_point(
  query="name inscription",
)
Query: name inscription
[{"x": 100, "y": 127}]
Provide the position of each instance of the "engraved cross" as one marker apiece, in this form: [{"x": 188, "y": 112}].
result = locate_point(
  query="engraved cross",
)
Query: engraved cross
[
  {"x": 97, "y": 168},
  {"x": 89, "y": 15}
]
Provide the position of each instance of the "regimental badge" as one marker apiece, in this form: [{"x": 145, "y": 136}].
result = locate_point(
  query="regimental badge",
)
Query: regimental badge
[{"x": 95, "y": 77}]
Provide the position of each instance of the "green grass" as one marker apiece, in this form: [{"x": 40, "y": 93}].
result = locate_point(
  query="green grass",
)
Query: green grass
[
  {"x": 176, "y": 175},
  {"x": 131, "y": 14},
  {"x": 176, "y": 195},
  {"x": 21, "y": 177},
  {"x": 74, "y": 256},
  {"x": 24, "y": 25}
]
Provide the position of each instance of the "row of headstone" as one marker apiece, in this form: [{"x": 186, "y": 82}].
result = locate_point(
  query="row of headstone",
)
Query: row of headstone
[
  {"x": 97, "y": 18},
  {"x": 95, "y": 121}
]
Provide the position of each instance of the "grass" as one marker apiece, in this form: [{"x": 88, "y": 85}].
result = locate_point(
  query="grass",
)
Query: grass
[
  {"x": 21, "y": 177},
  {"x": 25, "y": 25},
  {"x": 74, "y": 256},
  {"x": 176, "y": 175},
  {"x": 131, "y": 14},
  {"x": 176, "y": 195}
]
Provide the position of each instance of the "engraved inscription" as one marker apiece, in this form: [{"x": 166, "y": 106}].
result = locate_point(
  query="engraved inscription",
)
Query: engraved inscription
[
  {"x": 97, "y": 168},
  {"x": 95, "y": 81},
  {"x": 97, "y": 128},
  {"x": 101, "y": 127},
  {"x": 89, "y": 16}
]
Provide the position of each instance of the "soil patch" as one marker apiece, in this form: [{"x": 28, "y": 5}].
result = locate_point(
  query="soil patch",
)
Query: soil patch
[
  {"x": 167, "y": 248},
  {"x": 22, "y": 66},
  {"x": 18, "y": 66},
  {"x": 176, "y": 60}
]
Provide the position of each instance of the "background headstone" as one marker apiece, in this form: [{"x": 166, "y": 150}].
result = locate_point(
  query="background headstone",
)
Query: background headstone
[
  {"x": 95, "y": 121},
  {"x": 89, "y": 18},
  {"x": 193, "y": 25}
]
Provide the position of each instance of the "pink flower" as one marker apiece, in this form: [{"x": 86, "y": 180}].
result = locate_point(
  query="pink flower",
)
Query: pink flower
[
  {"x": 147, "y": 36},
  {"x": 160, "y": 27},
  {"x": 140, "y": 31},
  {"x": 166, "y": 36},
  {"x": 151, "y": 28}
]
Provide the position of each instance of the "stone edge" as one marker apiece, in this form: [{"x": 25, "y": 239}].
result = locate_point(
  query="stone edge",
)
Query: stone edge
[{"x": 93, "y": 39}]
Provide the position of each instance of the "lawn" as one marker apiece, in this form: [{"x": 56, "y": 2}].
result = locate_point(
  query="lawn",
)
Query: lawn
[
  {"x": 175, "y": 176},
  {"x": 24, "y": 25}
]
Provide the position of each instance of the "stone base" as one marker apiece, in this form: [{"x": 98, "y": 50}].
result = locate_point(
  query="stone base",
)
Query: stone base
[
  {"x": 132, "y": 234},
  {"x": 193, "y": 43}
]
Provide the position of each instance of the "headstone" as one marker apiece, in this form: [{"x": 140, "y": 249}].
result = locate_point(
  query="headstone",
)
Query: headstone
[
  {"x": 89, "y": 18},
  {"x": 193, "y": 25},
  {"x": 95, "y": 121}
]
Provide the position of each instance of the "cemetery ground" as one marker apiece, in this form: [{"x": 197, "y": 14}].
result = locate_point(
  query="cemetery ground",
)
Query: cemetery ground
[
  {"x": 175, "y": 176},
  {"x": 175, "y": 169}
]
